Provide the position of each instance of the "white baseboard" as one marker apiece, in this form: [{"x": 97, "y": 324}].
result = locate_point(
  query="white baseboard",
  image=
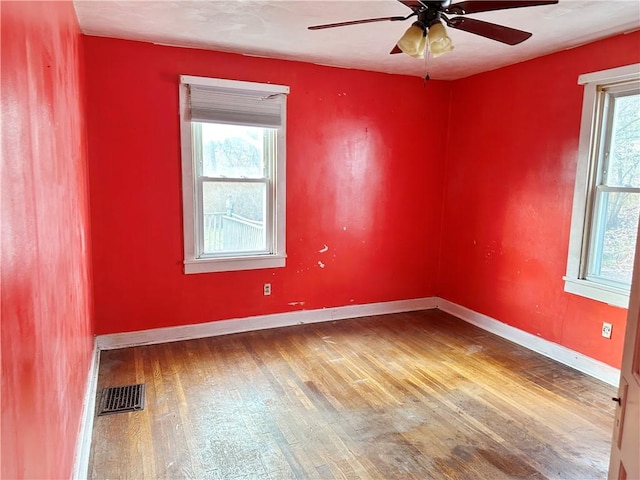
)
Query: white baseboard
[
  {"x": 261, "y": 322},
  {"x": 573, "y": 359},
  {"x": 561, "y": 354},
  {"x": 83, "y": 446}
]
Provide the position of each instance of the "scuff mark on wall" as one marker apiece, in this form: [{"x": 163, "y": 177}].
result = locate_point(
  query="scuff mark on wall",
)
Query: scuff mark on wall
[
  {"x": 320, "y": 264},
  {"x": 324, "y": 249}
]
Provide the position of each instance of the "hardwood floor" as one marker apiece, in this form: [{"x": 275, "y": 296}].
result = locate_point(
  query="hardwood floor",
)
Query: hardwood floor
[{"x": 413, "y": 395}]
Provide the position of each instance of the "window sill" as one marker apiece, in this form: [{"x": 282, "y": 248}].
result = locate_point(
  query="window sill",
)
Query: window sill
[
  {"x": 230, "y": 264},
  {"x": 616, "y": 297}
]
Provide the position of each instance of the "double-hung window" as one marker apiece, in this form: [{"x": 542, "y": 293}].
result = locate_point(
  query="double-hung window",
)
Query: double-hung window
[
  {"x": 233, "y": 174},
  {"x": 606, "y": 205}
]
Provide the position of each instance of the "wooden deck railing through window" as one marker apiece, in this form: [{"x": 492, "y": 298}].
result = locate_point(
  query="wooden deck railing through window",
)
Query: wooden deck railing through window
[{"x": 232, "y": 233}]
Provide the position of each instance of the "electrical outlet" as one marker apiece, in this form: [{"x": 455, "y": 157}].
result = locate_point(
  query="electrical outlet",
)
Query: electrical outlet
[
  {"x": 606, "y": 329},
  {"x": 266, "y": 290}
]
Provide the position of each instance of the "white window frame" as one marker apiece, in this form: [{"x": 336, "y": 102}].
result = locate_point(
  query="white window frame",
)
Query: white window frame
[
  {"x": 275, "y": 220},
  {"x": 575, "y": 280}
]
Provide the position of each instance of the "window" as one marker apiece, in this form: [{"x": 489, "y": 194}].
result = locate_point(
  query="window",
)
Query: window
[
  {"x": 606, "y": 201},
  {"x": 233, "y": 174}
]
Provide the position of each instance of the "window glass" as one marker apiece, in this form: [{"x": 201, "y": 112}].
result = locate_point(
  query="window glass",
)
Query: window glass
[
  {"x": 614, "y": 238},
  {"x": 624, "y": 153},
  {"x": 234, "y": 217},
  {"x": 233, "y": 150}
]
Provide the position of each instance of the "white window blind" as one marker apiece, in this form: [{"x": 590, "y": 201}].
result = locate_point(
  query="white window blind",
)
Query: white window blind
[{"x": 225, "y": 105}]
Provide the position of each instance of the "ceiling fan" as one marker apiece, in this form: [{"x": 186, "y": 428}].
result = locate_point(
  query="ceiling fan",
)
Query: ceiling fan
[{"x": 428, "y": 30}]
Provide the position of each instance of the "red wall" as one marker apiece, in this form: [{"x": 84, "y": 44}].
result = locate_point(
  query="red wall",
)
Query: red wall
[
  {"x": 46, "y": 290},
  {"x": 512, "y": 153},
  {"x": 364, "y": 173}
]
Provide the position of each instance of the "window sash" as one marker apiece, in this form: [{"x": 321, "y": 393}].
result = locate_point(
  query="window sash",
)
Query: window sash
[
  {"x": 597, "y": 231},
  {"x": 599, "y": 191},
  {"x": 269, "y": 160},
  {"x": 607, "y": 98},
  {"x": 267, "y": 225}
]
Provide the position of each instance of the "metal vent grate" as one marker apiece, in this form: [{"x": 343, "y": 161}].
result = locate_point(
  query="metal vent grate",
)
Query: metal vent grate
[{"x": 128, "y": 398}]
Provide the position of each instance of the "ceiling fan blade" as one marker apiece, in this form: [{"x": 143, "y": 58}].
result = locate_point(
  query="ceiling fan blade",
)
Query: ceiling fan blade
[
  {"x": 414, "y": 5},
  {"x": 500, "y": 33},
  {"x": 395, "y": 50},
  {"x": 475, "y": 6},
  {"x": 355, "y": 22}
]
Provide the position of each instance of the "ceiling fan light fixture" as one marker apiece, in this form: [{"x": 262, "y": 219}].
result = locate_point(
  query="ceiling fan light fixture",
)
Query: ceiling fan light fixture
[
  {"x": 422, "y": 47},
  {"x": 412, "y": 40},
  {"x": 439, "y": 41}
]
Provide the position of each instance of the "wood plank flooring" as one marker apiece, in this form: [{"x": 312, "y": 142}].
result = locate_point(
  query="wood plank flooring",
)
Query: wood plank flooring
[{"x": 415, "y": 395}]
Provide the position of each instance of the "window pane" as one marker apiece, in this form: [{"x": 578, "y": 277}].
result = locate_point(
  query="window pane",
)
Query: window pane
[
  {"x": 613, "y": 245},
  {"x": 233, "y": 151},
  {"x": 624, "y": 150},
  {"x": 234, "y": 214}
]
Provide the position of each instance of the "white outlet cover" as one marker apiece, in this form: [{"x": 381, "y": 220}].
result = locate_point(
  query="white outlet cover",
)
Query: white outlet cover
[{"x": 606, "y": 330}]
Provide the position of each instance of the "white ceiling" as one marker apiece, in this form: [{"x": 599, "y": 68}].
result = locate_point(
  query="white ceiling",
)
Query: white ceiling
[{"x": 278, "y": 29}]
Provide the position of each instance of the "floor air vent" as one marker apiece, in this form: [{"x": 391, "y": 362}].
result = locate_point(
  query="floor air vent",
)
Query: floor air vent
[{"x": 128, "y": 398}]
